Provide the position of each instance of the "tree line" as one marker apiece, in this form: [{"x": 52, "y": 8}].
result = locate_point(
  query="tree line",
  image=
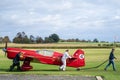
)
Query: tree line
[{"x": 21, "y": 37}]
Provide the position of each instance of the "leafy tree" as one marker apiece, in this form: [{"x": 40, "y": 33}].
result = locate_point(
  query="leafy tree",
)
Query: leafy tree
[
  {"x": 39, "y": 39},
  {"x": 54, "y": 38},
  {"x": 32, "y": 39},
  {"x": 77, "y": 40},
  {"x": 18, "y": 38},
  {"x": 25, "y": 39},
  {"x": 95, "y": 40},
  {"x": 48, "y": 40},
  {"x": 6, "y": 39},
  {"x": 1, "y": 39},
  {"x": 21, "y": 37}
]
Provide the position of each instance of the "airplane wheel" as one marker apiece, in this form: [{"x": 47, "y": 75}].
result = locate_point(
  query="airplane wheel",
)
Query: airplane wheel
[{"x": 78, "y": 69}]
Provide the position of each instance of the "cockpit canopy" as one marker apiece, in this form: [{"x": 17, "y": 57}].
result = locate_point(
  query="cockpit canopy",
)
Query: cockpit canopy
[{"x": 45, "y": 52}]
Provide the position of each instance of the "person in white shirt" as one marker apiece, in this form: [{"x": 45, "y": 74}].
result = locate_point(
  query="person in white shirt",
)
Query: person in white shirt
[{"x": 63, "y": 59}]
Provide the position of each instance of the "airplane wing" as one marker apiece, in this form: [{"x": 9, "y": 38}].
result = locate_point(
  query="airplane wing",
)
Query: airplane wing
[
  {"x": 26, "y": 64},
  {"x": 30, "y": 58}
]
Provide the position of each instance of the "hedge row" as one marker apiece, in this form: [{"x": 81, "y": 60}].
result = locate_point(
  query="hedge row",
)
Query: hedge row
[{"x": 68, "y": 47}]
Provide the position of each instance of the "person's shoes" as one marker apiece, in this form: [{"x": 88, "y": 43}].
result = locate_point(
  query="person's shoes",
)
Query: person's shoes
[
  {"x": 19, "y": 69},
  {"x": 63, "y": 69},
  {"x": 60, "y": 69}
]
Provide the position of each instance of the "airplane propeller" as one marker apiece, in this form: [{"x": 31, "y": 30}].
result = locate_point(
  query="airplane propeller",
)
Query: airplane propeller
[{"x": 5, "y": 49}]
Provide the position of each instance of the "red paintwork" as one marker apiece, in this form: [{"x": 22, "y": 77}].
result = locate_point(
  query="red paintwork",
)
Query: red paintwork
[{"x": 48, "y": 57}]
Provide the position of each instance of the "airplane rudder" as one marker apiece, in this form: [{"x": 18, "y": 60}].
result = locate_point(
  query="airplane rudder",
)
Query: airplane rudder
[
  {"x": 80, "y": 58},
  {"x": 78, "y": 52}
]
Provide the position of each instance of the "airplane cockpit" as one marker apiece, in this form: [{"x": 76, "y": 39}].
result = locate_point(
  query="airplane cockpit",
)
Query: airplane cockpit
[{"x": 45, "y": 52}]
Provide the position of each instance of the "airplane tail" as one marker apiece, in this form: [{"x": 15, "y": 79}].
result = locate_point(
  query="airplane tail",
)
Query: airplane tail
[
  {"x": 79, "y": 54},
  {"x": 80, "y": 58}
]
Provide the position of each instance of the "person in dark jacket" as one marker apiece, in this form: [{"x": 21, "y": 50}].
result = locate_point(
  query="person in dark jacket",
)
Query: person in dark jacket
[
  {"x": 16, "y": 62},
  {"x": 111, "y": 60}
]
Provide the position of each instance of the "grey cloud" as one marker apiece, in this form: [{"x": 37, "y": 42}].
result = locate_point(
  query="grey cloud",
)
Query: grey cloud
[{"x": 71, "y": 17}]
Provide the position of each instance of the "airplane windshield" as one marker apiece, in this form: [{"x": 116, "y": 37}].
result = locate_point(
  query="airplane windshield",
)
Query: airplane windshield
[{"x": 45, "y": 52}]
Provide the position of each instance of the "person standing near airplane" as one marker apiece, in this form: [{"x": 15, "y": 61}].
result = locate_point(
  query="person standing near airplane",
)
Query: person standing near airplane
[
  {"x": 63, "y": 59},
  {"x": 111, "y": 60},
  {"x": 16, "y": 62}
]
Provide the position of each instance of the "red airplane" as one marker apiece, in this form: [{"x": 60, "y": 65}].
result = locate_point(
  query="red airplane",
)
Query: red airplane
[{"x": 45, "y": 57}]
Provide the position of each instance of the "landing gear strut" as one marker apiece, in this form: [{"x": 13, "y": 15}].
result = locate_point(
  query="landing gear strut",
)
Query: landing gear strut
[{"x": 78, "y": 69}]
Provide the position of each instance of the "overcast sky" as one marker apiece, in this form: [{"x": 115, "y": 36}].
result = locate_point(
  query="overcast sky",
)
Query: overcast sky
[{"x": 83, "y": 19}]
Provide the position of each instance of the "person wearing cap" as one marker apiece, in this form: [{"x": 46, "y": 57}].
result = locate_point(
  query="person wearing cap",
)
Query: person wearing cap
[
  {"x": 63, "y": 59},
  {"x": 111, "y": 60},
  {"x": 16, "y": 62}
]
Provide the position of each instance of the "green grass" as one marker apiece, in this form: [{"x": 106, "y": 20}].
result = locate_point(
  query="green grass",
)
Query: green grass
[
  {"x": 93, "y": 57},
  {"x": 61, "y": 45}
]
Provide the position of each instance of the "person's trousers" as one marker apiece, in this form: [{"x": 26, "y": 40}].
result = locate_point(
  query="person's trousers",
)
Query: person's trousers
[
  {"x": 113, "y": 64},
  {"x": 13, "y": 65}
]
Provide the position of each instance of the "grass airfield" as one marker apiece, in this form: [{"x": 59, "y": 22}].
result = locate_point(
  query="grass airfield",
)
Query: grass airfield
[{"x": 93, "y": 58}]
